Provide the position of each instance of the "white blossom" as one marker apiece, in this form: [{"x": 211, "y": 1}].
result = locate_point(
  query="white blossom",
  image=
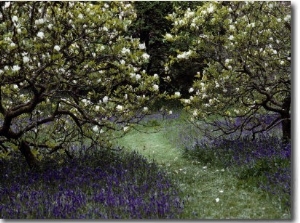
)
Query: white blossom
[
  {"x": 57, "y": 48},
  {"x": 170, "y": 112},
  {"x": 119, "y": 107},
  {"x": 217, "y": 200},
  {"x": 12, "y": 44},
  {"x": 122, "y": 62},
  {"x": 39, "y": 21},
  {"x": 95, "y": 128},
  {"x": 142, "y": 46},
  {"x": 146, "y": 56},
  {"x": 125, "y": 50},
  {"x": 155, "y": 76},
  {"x": 210, "y": 9},
  {"x": 125, "y": 128},
  {"x": 40, "y": 34},
  {"x": 177, "y": 94},
  {"x": 191, "y": 90},
  {"x": 14, "y": 19},
  {"x": 184, "y": 55},
  {"x": 50, "y": 26},
  {"x": 25, "y": 59},
  {"x": 287, "y": 18},
  {"x": 16, "y": 68},
  {"x": 80, "y": 16},
  {"x": 231, "y": 37},
  {"x": 105, "y": 99},
  {"x": 105, "y": 28},
  {"x": 6, "y": 4},
  {"x": 145, "y": 109},
  {"x": 168, "y": 36},
  {"x": 138, "y": 76},
  {"x": 156, "y": 87}
]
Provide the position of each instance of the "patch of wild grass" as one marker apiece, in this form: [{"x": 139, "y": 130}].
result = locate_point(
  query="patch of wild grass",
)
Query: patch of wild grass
[{"x": 208, "y": 185}]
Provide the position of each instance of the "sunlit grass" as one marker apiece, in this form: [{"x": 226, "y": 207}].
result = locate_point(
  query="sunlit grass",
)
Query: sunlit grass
[{"x": 209, "y": 192}]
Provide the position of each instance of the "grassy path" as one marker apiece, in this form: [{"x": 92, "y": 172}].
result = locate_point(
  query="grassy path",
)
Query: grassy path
[{"x": 209, "y": 193}]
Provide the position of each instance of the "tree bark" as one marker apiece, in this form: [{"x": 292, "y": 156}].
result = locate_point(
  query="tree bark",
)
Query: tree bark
[
  {"x": 30, "y": 158},
  {"x": 286, "y": 129},
  {"x": 286, "y": 120}
]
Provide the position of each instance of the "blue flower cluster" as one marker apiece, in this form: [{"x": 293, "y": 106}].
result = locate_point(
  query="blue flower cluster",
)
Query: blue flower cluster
[
  {"x": 265, "y": 161},
  {"x": 91, "y": 186}
]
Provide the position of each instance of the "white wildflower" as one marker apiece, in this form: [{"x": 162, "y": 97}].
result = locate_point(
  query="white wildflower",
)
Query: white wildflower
[
  {"x": 170, "y": 112},
  {"x": 122, "y": 62},
  {"x": 125, "y": 128},
  {"x": 155, "y": 76},
  {"x": 105, "y": 28},
  {"x": 231, "y": 37},
  {"x": 217, "y": 200},
  {"x": 191, "y": 90},
  {"x": 145, "y": 109},
  {"x": 97, "y": 108}
]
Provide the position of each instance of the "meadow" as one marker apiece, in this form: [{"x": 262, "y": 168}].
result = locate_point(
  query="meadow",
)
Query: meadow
[{"x": 164, "y": 169}]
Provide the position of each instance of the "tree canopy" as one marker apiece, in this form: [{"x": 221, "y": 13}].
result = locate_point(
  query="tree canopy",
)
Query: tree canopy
[
  {"x": 69, "y": 72},
  {"x": 246, "y": 48}
]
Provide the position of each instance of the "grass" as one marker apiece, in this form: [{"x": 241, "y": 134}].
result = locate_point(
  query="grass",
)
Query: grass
[{"x": 208, "y": 191}]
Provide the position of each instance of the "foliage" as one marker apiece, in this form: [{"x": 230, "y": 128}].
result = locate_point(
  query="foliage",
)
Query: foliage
[
  {"x": 150, "y": 26},
  {"x": 69, "y": 72},
  {"x": 264, "y": 163},
  {"x": 211, "y": 191},
  {"x": 96, "y": 184},
  {"x": 246, "y": 48}
]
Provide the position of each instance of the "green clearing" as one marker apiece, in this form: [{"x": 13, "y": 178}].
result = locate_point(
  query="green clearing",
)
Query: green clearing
[{"x": 208, "y": 192}]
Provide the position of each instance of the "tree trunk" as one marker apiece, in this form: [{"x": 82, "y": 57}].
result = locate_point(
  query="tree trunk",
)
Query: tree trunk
[
  {"x": 286, "y": 120},
  {"x": 286, "y": 129},
  {"x": 30, "y": 159}
]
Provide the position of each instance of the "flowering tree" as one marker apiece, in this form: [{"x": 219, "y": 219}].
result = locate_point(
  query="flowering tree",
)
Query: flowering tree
[
  {"x": 246, "y": 47},
  {"x": 68, "y": 74}
]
